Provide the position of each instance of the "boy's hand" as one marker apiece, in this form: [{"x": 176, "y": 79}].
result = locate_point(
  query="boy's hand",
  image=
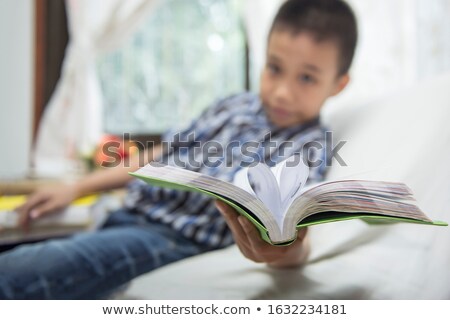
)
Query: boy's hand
[
  {"x": 45, "y": 201},
  {"x": 249, "y": 241}
]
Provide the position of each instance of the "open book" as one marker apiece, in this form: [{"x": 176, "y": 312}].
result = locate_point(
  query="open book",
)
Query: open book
[
  {"x": 277, "y": 202},
  {"x": 84, "y": 214}
]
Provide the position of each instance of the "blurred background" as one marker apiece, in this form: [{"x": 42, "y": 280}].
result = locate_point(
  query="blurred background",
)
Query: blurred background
[{"x": 75, "y": 70}]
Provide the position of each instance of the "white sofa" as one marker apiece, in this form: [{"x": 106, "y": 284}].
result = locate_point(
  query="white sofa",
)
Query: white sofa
[{"x": 403, "y": 137}]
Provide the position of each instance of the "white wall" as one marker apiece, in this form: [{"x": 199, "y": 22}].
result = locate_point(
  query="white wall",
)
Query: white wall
[{"x": 16, "y": 86}]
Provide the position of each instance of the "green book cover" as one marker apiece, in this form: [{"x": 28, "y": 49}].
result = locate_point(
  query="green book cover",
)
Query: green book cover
[{"x": 277, "y": 203}]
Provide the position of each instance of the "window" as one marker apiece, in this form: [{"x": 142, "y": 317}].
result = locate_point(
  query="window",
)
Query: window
[{"x": 186, "y": 55}]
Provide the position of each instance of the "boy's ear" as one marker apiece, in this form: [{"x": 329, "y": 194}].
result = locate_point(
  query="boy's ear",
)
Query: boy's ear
[{"x": 341, "y": 83}]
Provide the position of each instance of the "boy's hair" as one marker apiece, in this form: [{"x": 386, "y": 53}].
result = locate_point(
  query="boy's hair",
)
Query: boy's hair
[{"x": 325, "y": 20}]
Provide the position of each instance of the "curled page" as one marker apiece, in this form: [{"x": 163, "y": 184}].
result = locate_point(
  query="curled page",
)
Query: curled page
[
  {"x": 291, "y": 174},
  {"x": 241, "y": 180},
  {"x": 265, "y": 186}
]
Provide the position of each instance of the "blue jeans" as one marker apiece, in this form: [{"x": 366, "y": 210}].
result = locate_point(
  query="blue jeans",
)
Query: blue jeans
[{"x": 91, "y": 265}]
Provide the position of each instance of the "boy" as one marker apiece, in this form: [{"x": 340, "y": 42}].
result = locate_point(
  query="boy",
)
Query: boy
[{"x": 310, "y": 49}]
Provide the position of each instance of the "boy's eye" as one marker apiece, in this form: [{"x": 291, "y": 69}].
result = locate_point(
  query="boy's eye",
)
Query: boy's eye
[
  {"x": 273, "y": 68},
  {"x": 306, "y": 78}
]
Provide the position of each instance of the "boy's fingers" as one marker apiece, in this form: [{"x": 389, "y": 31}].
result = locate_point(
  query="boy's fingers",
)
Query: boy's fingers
[
  {"x": 27, "y": 208},
  {"x": 261, "y": 251},
  {"x": 259, "y": 246},
  {"x": 251, "y": 231},
  {"x": 231, "y": 219},
  {"x": 39, "y": 211},
  {"x": 249, "y": 240},
  {"x": 241, "y": 227},
  {"x": 229, "y": 215},
  {"x": 27, "y": 211},
  {"x": 301, "y": 234},
  {"x": 253, "y": 234},
  {"x": 24, "y": 216},
  {"x": 240, "y": 238},
  {"x": 31, "y": 201},
  {"x": 225, "y": 208}
]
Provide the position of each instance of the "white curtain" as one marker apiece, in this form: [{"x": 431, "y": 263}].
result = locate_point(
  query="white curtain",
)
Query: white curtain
[{"x": 72, "y": 122}]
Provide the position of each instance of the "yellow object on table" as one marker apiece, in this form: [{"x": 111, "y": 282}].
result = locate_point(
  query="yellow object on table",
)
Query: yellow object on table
[{"x": 8, "y": 203}]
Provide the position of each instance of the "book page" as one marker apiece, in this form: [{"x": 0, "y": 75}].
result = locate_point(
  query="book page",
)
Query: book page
[
  {"x": 265, "y": 186},
  {"x": 349, "y": 199},
  {"x": 179, "y": 178},
  {"x": 276, "y": 186},
  {"x": 252, "y": 207},
  {"x": 241, "y": 180},
  {"x": 291, "y": 174}
]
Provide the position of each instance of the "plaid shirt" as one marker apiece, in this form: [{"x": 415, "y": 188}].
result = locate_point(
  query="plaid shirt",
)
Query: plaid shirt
[{"x": 234, "y": 132}]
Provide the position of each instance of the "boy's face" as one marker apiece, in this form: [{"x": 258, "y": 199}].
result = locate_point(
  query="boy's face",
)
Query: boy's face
[{"x": 299, "y": 75}]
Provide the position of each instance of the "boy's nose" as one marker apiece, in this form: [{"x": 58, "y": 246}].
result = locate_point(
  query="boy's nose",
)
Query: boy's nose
[{"x": 283, "y": 93}]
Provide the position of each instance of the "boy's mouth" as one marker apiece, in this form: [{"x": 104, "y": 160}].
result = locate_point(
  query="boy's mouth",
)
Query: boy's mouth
[{"x": 280, "y": 113}]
